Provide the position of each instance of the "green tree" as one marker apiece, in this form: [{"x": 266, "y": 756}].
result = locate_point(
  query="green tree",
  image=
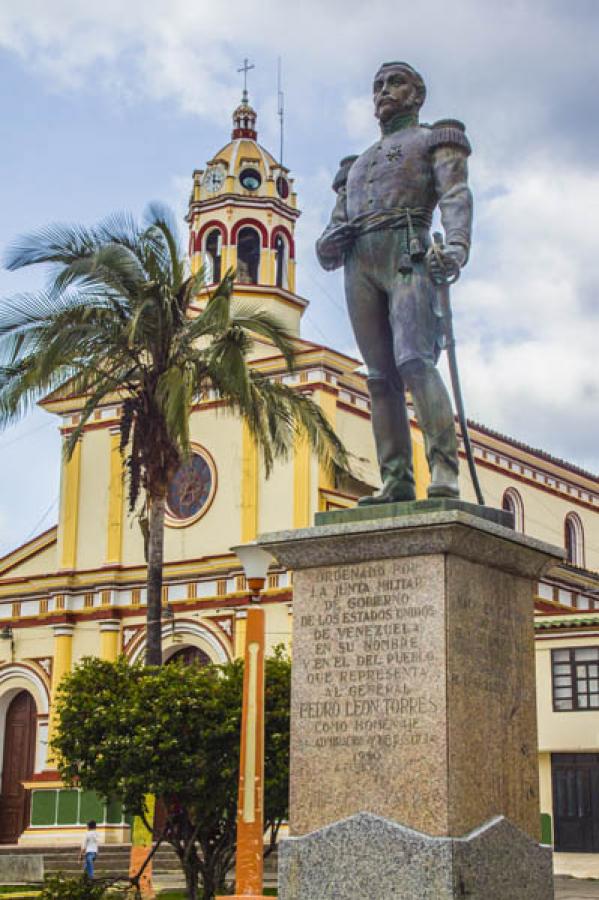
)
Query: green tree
[
  {"x": 117, "y": 319},
  {"x": 128, "y": 731}
]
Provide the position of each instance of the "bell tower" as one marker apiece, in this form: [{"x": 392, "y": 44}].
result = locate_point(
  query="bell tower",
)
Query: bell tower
[{"x": 242, "y": 215}]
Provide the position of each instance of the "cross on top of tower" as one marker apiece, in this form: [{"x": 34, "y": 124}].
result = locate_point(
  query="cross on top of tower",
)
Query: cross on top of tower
[
  {"x": 244, "y": 117},
  {"x": 245, "y": 68}
]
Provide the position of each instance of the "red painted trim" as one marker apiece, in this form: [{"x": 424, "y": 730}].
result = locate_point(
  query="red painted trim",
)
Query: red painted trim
[
  {"x": 250, "y": 223},
  {"x": 40, "y": 673},
  {"x": 280, "y": 229},
  {"x": 249, "y": 133},
  {"x": 531, "y": 482},
  {"x": 46, "y": 775},
  {"x": 353, "y": 409},
  {"x": 131, "y": 612},
  {"x": 234, "y": 200},
  {"x": 4, "y": 560},
  {"x": 212, "y": 223}
]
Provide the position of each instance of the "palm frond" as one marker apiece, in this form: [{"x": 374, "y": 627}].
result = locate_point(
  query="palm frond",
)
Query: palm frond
[
  {"x": 263, "y": 323},
  {"x": 161, "y": 228},
  {"x": 91, "y": 404},
  {"x": 58, "y": 243},
  {"x": 174, "y": 394},
  {"x": 114, "y": 321}
]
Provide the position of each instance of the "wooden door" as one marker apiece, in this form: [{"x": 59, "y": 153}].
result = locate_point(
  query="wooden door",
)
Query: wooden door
[
  {"x": 18, "y": 765},
  {"x": 576, "y": 802}
]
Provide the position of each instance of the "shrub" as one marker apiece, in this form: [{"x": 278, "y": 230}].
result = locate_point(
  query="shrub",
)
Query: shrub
[{"x": 59, "y": 887}]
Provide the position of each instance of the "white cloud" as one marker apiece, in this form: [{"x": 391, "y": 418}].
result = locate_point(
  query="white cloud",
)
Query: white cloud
[
  {"x": 526, "y": 322},
  {"x": 187, "y": 50},
  {"x": 360, "y": 123},
  {"x": 527, "y": 306}
]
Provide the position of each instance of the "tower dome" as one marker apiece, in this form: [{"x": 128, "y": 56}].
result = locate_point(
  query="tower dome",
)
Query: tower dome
[{"x": 242, "y": 214}]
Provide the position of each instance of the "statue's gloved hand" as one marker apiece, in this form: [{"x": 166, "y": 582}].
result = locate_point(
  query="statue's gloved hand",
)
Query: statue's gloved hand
[
  {"x": 444, "y": 263},
  {"x": 339, "y": 238},
  {"x": 333, "y": 244}
]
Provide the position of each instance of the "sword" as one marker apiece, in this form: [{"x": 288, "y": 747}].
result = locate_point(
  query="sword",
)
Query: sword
[{"x": 450, "y": 277}]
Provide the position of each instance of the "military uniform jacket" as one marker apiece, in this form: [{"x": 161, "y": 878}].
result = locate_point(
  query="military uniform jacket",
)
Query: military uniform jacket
[{"x": 398, "y": 182}]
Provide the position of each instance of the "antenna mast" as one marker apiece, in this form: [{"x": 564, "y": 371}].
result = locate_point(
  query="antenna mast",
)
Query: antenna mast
[{"x": 280, "y": 108}]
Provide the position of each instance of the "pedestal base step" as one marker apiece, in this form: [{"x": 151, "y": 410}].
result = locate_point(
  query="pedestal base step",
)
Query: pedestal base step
[
  {"x": 369, "y": 856},
  {"x": 414, "y": 508}
]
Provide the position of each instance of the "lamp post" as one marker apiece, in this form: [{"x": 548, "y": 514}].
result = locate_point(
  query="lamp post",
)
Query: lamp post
[
  {"x": 250, "y": 805},
  {"x": 7, "y": 634}
]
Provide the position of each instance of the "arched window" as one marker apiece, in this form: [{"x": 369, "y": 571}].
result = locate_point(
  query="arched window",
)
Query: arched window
[
  {"x": 281, "y": 261},
  {"x": 512, "y": 502},
  {"x": 212, "y": 256},
  {"x": 574, "y": 540},
  {"x": 248, "y": 256}
]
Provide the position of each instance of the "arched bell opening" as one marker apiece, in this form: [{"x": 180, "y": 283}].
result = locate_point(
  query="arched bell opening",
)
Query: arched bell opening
[
  {"x": 212, "y": 256},
  {"x": 281, "y": 262},
  {"x": 248, "y": 256}
]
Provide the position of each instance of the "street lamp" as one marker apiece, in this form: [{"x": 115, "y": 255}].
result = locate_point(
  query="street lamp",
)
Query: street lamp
[
  {"x": 250, "y": 805},
  {"x": 255, "y": 562},
  {"x": 7, "y": 634}
]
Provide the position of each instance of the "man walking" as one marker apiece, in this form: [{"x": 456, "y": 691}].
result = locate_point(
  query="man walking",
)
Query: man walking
[{"x": 89, "y": 849}]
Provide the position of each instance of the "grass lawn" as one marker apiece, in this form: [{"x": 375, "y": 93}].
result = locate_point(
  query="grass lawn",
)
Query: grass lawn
[{"x": 20, "y": 889}]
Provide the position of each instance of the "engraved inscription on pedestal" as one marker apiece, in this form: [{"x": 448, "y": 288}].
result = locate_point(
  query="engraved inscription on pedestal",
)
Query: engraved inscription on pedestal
[{"x": 369, "y": 723}]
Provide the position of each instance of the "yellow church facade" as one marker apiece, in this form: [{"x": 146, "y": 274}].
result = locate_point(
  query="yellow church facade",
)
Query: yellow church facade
[{"x": 78, "y": 589}]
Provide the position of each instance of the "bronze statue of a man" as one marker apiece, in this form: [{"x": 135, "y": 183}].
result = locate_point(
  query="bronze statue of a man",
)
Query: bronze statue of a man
[{"x": 380, "y": 232}]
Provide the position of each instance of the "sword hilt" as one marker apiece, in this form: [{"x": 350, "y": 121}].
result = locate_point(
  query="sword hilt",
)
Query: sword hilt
[{"x": 450, "y": 268}]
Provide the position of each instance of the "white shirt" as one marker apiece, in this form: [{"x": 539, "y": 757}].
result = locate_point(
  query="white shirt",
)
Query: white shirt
[{"x": 90, "y": 842}]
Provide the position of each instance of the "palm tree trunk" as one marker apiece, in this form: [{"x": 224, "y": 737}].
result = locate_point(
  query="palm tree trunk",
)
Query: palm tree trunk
[{"x": 155, "y": 558}]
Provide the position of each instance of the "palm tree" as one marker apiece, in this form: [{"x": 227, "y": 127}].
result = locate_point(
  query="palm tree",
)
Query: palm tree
[{"x": 116, "y": 321}]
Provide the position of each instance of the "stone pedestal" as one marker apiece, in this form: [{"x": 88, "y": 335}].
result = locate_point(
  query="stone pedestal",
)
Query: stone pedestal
[{"x": 413, "y": 689}]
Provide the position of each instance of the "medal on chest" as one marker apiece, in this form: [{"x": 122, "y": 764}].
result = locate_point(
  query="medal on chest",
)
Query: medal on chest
[{"x": 394, "y": 153}]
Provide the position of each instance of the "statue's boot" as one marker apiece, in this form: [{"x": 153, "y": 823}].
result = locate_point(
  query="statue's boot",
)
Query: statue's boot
[
  {"x": 391, "y": 427},
  {"x": 435, "y": 417}
]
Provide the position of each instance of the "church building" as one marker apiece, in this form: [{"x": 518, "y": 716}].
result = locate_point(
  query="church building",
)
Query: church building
[{"x": 78, "y": 589}]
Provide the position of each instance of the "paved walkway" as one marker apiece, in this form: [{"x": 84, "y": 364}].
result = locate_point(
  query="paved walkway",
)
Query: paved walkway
[
  {"x": 565, "y": 889},
  {"x": 580, "y": 865},
  {"x": 575, "y": 888}
]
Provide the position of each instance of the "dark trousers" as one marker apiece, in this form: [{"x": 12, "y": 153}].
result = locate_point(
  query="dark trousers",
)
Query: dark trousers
[{"x": 398, "y": 329}]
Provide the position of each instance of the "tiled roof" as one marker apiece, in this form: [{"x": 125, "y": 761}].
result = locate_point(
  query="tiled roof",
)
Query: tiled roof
[
  {"x": 568, "y": 622},
  {"x": 542, "y": 454}
]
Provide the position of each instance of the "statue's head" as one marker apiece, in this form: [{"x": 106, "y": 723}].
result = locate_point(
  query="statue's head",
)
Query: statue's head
[{"x": 397, "y": 89}]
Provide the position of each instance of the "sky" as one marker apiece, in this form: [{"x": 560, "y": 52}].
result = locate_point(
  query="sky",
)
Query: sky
[{"x": 108, "y": 105}]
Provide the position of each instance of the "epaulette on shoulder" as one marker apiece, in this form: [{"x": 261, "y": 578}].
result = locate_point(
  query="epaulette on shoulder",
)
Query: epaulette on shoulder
[
  {"x": 341, "y": 177},
  {"x": 449, "y": 132}
]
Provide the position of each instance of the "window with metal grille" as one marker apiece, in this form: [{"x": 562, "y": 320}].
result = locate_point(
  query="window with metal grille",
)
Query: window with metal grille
[{"x": 575, "y": 677}]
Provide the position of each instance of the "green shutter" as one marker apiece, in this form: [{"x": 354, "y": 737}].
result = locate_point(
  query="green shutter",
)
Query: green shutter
[
  {"x": 43, "y": 807},
  {"x": 546, "y": 830},
  {"x": 114, "y": 812},
  {"x": 68, "y": 804},
  {"x": 91, "y": 807}
]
